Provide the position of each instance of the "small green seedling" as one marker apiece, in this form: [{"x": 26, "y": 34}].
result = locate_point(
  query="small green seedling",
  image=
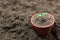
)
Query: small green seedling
[{"x": 42, "y": 14}]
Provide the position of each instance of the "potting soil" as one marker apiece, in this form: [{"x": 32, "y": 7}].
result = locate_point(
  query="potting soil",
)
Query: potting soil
[{"x": 42, "y": 20}]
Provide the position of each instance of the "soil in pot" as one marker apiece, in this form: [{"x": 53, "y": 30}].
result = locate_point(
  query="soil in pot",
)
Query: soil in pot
[{"x": 42, "y": 20}]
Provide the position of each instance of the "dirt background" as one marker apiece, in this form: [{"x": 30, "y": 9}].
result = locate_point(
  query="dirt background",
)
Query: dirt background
[{"x": 15, "y": 19}]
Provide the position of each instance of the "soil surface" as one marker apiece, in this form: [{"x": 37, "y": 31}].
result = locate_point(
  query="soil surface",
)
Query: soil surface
[
  {"x": 15, "y": 19},
  {"x": 42, "y": 20}
]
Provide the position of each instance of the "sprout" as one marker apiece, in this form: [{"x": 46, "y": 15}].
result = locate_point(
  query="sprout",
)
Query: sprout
[{"x": 42, "y": 14}]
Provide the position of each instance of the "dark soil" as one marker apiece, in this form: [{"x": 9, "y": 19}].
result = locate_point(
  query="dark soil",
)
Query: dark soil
[{"x": 15, "y": 19}]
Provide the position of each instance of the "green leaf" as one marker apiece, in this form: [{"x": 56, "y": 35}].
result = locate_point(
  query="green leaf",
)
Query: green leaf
[{"x": 42, "y": 14}]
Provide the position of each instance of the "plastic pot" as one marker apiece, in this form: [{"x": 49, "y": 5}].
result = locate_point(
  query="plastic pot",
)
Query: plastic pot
[{"x": 43, "y": 30}]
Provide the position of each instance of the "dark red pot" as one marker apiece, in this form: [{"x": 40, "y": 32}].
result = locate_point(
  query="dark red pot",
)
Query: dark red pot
[{"x": 43, "y": 30}]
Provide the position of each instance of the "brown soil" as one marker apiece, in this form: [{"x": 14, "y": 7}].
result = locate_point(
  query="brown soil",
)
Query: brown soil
[{"x": 15, "y": 19}]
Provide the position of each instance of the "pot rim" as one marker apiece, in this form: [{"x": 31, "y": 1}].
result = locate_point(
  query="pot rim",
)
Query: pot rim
[{"x": 42, "y": 26}]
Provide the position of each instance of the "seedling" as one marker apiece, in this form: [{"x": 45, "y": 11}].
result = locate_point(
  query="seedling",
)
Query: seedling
[{"x": 42, "y": 14}]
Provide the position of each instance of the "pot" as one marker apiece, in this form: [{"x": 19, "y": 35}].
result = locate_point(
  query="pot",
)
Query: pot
[{"x": 45, "y": 29}]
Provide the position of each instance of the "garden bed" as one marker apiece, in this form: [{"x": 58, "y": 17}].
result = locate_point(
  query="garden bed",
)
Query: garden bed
[{"x": 15, "y": 19}]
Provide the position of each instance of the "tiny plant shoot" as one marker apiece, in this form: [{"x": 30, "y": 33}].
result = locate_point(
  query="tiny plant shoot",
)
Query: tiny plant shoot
[{"x": 42, "y": 14}]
